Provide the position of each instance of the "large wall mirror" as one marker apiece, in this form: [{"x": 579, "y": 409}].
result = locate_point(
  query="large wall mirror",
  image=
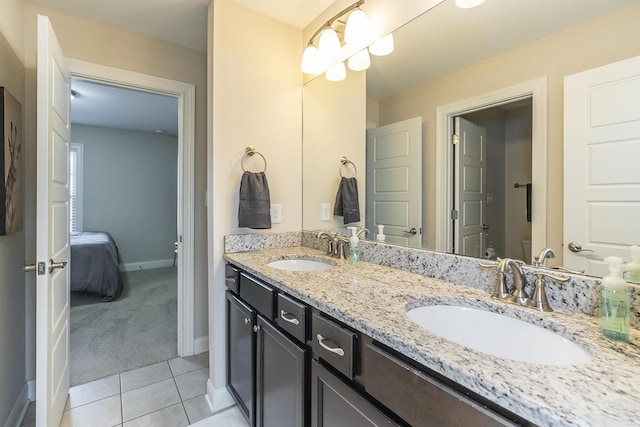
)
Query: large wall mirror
[{"x": 493, "y": 75}]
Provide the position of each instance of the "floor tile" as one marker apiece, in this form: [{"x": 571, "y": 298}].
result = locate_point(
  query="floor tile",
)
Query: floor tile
[
  {"x": 197, "y": 408},
  {"x": 93, "y": 391},
  {"x": 147, "y": 399},
  {"x": 193, "y": 383},
  {"x": 105, "y": 412},
  {"x": 181, "y": 366},
  {"x": 228, "y": 418},
  {"x": 30, "y": 415},
  {"x": 132, "y": 380},
  {"x": 173, "y": 416}
]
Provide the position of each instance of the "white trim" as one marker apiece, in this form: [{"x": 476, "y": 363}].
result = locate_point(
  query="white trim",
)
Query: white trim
[
  {"x": 31, "y": 384},
  {"x": 218, "y": 399},
  {"x": 537, "y": 90},
  {"x": 146, "y": 265},
  {"x": 185, "y": 92},
  {"x": 19, "y": 408},
  {"x": 200, "y": 345},
  {"x": 79, "y": 177}
]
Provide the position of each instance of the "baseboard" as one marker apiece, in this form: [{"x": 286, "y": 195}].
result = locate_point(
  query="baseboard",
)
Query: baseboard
[
  {"x": 19, "y": 408},
  {"x": 146, "y": 265},
  {"x": 218, "y": 399},
  {"x": 31, "y": 384},
  {"x": 200, "y": 345}
]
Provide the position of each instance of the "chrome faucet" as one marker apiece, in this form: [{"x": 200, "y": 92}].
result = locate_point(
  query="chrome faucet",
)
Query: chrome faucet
[
  {"x": 361, "y": 232},
  {"x": 335, "y": 243},
  {"x": 331, "y": 241},
  {"x": 501, "y": 289},
  {"x": 542, "y": 257}
]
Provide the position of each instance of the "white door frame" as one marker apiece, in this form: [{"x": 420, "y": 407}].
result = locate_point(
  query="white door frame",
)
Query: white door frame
[
  {"x": 185, "y": 93},
  {"x": 537, "y": 90}
]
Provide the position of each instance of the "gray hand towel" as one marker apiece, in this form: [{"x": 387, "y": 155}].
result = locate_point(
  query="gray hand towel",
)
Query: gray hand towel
[
  {"x": 254, "y": 210},
  {"x": 347, "y": 204}
]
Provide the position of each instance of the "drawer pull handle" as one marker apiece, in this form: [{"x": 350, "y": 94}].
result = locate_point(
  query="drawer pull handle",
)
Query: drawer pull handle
[
  {"x": 288, "y": 317},
  {"x": 230, "y": 279},
  {"x": 336, "y": 350}
]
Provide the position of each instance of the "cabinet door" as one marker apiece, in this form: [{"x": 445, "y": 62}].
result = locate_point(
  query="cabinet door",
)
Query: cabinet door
[
  {"x": 334, "y": 403},
  {"x": 280, "y": 380},
  {"x": 240, "y": 354}
]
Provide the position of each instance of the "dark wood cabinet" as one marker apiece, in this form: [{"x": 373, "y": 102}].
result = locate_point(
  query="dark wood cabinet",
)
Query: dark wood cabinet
[
  {"x": 280, "y": 378},
  {"x": 241, "y": 354},
  {"x": 335, "y": 403}
]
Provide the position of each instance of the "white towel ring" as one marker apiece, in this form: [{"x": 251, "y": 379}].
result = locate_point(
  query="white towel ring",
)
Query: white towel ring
[
  {"x": 346, "y": 162},
  {"x": 250, "y": 151}
]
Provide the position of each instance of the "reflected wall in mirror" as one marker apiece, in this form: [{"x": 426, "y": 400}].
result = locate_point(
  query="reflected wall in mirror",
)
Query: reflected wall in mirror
[{"x": 497, "y": 45}]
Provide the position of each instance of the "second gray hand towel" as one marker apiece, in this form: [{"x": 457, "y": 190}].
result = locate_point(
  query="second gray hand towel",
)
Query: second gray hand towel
[{"x": 254, "y": 210}]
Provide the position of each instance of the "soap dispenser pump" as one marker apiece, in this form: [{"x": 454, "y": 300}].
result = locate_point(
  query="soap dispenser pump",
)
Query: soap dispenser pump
[
  {"x": 632, "y": 270},
  {"x": 614, "y": 303},
  {"x": 354, "y": 250}
]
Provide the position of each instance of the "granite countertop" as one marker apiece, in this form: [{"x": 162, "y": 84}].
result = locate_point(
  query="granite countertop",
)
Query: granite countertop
[{"x": 374, "y": 299}]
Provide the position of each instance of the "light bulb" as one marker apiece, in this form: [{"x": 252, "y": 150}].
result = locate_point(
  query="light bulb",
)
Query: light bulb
[
  {"x": 329, "y": 46},
  {"x": 360, "y": 61},
  {"x": 311, "y": 60},
  {"x": 355, "y": 32},
  {"x": 336, "y": 73},
  {"x": 382, "y": 47}
]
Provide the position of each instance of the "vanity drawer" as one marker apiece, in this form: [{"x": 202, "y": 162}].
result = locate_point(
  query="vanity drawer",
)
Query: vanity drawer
[
  {"x": 232, "y": 278},
  {"x": 415, "y": 396},
  {"x": 334, "y": 344},
  {"x": 292, "y": 317},
  {"x": 258, "y": 295}
]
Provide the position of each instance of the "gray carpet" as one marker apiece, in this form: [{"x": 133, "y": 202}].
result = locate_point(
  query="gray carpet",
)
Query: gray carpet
[{"x": 137, "y": 329}]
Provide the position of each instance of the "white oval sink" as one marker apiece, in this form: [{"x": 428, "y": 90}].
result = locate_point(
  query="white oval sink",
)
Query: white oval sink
[
  {"x": 299, "y": 265},
  {"x": 499, "y": 335}
]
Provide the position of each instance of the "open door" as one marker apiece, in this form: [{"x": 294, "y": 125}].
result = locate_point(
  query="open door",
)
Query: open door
[
  {"x": 601, "y": 173},
  {"x": 470, "y": 188},
  {"x": 52, "y": 221},
  {"x": 394, "y": 182}
]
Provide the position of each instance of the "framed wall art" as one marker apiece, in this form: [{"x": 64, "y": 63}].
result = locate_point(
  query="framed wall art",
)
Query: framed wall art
[{"x": 11, "y": 161}]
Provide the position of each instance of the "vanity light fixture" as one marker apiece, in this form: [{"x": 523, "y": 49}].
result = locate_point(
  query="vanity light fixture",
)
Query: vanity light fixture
[
  {"x": 468, "y": 4},
  {"x": 355, "y": 37}
]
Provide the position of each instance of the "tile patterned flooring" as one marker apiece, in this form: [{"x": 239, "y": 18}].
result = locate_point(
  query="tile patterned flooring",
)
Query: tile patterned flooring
[{"x": 170, "y": 394}]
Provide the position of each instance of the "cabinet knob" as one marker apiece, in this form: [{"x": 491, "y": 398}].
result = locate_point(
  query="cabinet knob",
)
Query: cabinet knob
[
  {"x": 256, "y": 328},
  {"x": 247, "y": 320}
]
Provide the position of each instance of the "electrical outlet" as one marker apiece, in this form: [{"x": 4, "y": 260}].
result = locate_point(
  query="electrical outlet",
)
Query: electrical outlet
[
  {"x": 276, "y": 213},
  {"x": 326, "y": 212}
]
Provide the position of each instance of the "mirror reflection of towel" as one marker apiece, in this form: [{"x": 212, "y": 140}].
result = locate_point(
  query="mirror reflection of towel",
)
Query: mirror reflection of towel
[
  {"x": 347, "y": 204},
  {"x": 254, "y": 210}
]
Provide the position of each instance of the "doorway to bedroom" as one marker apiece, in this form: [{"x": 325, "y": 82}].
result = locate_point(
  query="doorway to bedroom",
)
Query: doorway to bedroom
[{"x": 125, "y": 163}]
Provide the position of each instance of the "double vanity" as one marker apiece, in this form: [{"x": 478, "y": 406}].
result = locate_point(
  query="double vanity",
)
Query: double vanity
[{"x": 315, "y": 340}]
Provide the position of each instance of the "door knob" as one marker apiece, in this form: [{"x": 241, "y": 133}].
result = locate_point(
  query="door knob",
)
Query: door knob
[
  {"x": 53, "y": 265},
  {"x": 37, "y": 267},
  {"x": 485, "y": 227},
  {"x": 413, "y": 231},
  {"x": 577, "y": 247}
]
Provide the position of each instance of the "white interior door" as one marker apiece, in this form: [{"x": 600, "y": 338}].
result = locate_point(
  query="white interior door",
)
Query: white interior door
[
  {"x": 470, "y": 188},
  {"x": 52, "y": 220},
  {"x": 394, "y": 182},
  {"x": 601, "y": 164}
]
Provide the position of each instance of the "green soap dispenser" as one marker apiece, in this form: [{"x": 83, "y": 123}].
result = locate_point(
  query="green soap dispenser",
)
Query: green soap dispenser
[
  {"x": 632, "y": 270},
  {"x": 614, "y": 303}
]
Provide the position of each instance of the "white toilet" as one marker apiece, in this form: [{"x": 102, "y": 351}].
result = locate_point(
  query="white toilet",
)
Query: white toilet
[{"x": 526, "y": 250}]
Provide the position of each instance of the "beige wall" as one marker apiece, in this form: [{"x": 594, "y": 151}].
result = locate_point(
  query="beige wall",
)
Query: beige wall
[
  {"x": 12, "y": 247},
  {"x": 88, "y": 41},
  {"x": 329, "y": 128},
  {"x": 608, "y": 39},
  {"x": 255, "y": 100}
]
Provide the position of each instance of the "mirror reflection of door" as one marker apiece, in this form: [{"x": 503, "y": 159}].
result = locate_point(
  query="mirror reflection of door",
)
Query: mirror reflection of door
[
  {"x": 394, "y": 182},
  {"x": 494, "y": 215}
]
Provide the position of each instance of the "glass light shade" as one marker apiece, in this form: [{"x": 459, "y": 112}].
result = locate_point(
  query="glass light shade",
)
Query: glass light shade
[
  {"x": 336, "y": 73},
  {"x": 468, "y": 4},
  {"x": 355, "y": 32},
  {"x": 382, "y": 47},
  {"x": 329, "y": 46},
  {"x": 360, "y": 61},
  {"x": 311, "y": 60}
]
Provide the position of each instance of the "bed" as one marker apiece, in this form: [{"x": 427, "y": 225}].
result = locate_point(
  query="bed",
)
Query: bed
[{"x": 95, "y": 265}]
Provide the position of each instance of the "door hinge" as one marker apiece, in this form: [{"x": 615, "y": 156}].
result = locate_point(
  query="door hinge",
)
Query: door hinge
[
  {"x": 454, "y": 214},
  {"x": 455, "y": 139}
]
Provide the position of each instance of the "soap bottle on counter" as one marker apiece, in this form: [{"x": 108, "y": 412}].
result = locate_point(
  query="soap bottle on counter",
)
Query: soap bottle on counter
[
  {"x": 380, "y": 237},
  {"x": 632, "y": 270},
  {"x": 354, "y": 250},
  {"x": 614, "y": 303}
]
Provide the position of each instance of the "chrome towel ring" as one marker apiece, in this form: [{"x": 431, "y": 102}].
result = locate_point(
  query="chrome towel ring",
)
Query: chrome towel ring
[
  {"x": 249, "y": 152},
  {"x": 346, "y": 162}
]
